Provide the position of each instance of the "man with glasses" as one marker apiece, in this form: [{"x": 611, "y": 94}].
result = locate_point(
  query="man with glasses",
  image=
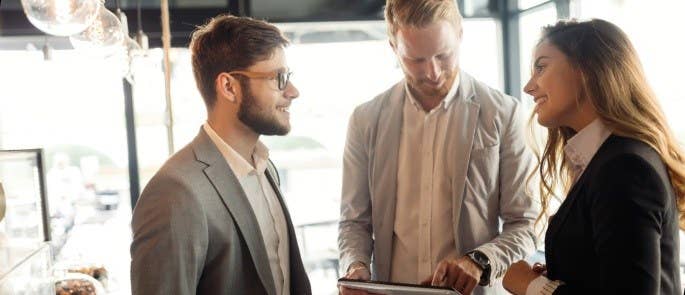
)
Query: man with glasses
[
  {"x": 434, "y": 169},
  {"x": 213, "y": 220}
]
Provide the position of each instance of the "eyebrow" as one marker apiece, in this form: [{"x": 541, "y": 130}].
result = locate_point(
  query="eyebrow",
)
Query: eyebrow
[
  {"x": 539, "y": 58},
  {"x": 423, "y": 58}
]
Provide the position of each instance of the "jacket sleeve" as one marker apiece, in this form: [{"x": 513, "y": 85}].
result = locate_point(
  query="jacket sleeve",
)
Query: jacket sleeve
[
  {"x": 355, "y": 228},
  {"x": 518, "y": 210},
  {"x": 169, "y": 240},
  {"x": 627, "y": 212}
]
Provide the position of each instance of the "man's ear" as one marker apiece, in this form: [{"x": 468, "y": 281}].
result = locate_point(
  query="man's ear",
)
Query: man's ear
[
  {"x": 392, "y": 45},
  {"x": 226, "y": 87}
]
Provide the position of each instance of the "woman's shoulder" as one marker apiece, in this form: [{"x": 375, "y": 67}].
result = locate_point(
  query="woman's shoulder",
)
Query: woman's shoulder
[
  {"x": 625, "y": 164},
  {"x": 618, "y": 149}
]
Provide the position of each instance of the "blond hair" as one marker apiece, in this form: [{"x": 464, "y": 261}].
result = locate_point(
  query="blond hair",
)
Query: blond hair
[
  {"x": 614, "y": 82},
  {"x": 419, "y": 13}
]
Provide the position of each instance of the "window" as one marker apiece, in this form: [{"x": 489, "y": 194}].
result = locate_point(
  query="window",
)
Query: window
[
  {"x": 72, "y": 106},
  {"x": 530, "y": 27}
]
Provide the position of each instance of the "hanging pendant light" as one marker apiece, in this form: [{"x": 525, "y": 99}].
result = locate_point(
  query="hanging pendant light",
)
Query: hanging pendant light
[
  {"x": 61, "y": 17},
  {"x": 105, "y": 36}
]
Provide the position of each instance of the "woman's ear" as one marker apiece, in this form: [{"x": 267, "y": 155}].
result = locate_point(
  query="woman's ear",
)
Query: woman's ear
[{"x": 226, "y": 87}]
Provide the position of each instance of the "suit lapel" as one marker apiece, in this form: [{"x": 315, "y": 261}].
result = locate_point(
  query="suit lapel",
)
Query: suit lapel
[
  {"x": 232, "y": 195},
  {"x": 567, "y": 204},
  {"x": 298, "y": 277},
  {"x": 560, "y": 216},
  {"x": 384, "y": 176},
  {"x": 466, "y": 112}
]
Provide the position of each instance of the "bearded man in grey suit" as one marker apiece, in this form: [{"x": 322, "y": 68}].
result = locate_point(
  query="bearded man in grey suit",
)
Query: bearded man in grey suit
[
  {"x": 434, "y": 168},
  {"x": 212, "y": 220}
]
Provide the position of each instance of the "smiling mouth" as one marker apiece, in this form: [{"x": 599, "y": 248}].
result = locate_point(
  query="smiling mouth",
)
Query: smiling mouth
[
  {"x": 540, "y": 99},
  {"x": 434, "y": 83},
  {"x": 284, "y": 109}
]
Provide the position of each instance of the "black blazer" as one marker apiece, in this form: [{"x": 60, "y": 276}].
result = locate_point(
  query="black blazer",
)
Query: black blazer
[{"x": 617, "y": 230}]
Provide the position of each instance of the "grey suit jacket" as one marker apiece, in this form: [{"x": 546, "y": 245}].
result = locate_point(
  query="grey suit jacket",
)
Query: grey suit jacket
[
  {"x": 194, "y": 231},
  {"x": 490, "y": 209}
]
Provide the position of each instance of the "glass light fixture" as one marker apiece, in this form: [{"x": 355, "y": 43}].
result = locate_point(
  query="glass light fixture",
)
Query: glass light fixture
[
  {"x": 61, "y": 17},
  {"x": 2, "y": 202},
  {"x": 105, "y": 35}
]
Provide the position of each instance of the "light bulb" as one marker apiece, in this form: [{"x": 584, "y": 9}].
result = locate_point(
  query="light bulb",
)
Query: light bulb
[
  {"x": 105, "y": 35},
  {"x": 61, "y": 17}
]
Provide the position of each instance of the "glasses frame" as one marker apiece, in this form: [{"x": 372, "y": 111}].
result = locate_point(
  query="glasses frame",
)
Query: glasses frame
[{"x": 282, "y": 77}]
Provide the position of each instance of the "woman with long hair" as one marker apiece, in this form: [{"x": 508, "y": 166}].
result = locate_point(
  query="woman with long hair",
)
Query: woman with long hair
[{"x": 612, "y": 152}]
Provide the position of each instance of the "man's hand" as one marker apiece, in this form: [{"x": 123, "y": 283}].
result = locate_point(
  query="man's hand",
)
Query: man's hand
[
  {"x": 519, "y": 275},
  {"x": 356, "y": 271},
  {"x": 461, "y": 274}
]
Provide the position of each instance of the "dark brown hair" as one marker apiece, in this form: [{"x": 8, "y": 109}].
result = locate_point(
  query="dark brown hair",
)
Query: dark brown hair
[{"x": 228, "y": 43}]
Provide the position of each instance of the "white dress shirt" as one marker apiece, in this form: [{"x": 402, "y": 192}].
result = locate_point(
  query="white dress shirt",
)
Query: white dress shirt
[
  {"x": 265, "y": 204},
  {"x": 579, "y": 151},
  {"x": 423, "y": 230}
]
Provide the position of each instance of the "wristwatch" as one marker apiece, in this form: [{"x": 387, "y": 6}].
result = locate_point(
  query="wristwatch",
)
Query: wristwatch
[{"x": 484, "y": 263}]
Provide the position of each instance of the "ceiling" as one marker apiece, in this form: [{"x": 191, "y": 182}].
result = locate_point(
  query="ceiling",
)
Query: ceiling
[{"x": 186, "y": 15}]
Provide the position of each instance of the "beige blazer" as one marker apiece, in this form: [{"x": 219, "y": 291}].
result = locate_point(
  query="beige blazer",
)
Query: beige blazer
[{"x": 491, "y": 211}]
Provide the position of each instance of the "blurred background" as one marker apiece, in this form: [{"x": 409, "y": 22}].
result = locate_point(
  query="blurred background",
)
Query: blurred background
[{"x": 84, "y": 127}]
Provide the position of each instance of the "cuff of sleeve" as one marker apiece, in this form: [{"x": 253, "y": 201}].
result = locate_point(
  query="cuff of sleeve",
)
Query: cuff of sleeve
[{"x": 542, "y": 286}]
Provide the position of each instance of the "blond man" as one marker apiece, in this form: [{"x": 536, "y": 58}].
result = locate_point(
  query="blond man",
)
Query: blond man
[{"x": 434, "y": 167}]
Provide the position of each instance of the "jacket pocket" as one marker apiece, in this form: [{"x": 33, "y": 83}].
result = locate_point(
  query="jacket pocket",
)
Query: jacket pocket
[{"x": 483, "y": 174}]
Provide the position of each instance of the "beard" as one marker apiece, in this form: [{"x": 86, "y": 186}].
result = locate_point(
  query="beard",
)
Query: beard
[
  {"x": 260, "y": 120},
  {"x": 423, "y": 90}
]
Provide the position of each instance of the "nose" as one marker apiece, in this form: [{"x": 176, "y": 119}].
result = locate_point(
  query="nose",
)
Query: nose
[
  {"x": 530, "y": 87},
  {"x": 433, "y": 70},
  {"x": 291, "y": 91}
]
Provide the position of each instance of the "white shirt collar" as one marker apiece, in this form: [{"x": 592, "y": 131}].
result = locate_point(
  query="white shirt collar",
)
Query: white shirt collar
[
  {"x": 445, "y": 101},
  {"x": 238, "y": 164},
  {"x": 580, "y": 149}
]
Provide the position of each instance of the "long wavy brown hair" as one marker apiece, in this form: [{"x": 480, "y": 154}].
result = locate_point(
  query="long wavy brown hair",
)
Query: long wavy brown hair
[{"x": 613, "y": 80}]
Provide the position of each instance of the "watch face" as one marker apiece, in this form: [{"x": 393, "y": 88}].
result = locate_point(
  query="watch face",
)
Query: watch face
[{"x": 482, "y": 259}]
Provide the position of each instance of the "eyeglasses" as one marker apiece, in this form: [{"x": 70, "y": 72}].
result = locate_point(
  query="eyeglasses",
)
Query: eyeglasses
[{"x": 282, "y": 77}]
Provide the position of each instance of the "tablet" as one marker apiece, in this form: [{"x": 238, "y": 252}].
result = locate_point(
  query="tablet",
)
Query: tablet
[{"x": 387, "y": 288}]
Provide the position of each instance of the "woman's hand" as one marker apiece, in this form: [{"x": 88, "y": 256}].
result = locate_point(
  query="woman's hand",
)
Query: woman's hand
[
  {"x": 540, "y": 268},
  {"x": 519, "y": 276}
]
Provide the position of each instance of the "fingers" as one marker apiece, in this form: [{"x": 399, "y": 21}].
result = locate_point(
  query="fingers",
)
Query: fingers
[
  {"x": 464, "y": 282},
  {"x": 461, "y": 282},
  {"x": 440, "y": 274},
  {"x": 348, "y": 291},
  {"x": 470, "y": 285},
  {"x": 539, "y": 268},
  {"x": 456, "y": 274},
  {"x": 358, "y": 273}
]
